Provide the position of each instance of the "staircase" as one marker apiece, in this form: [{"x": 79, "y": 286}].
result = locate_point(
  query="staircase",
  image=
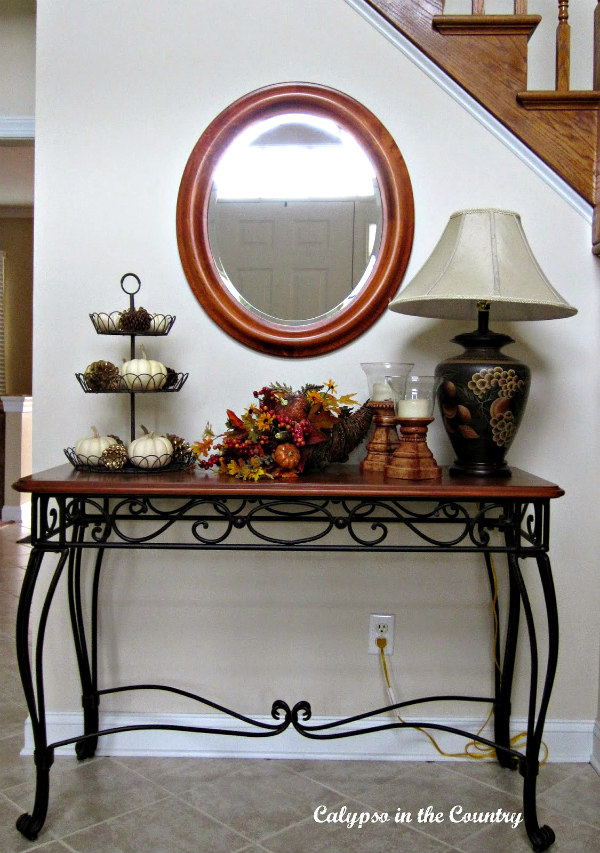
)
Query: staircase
[{"x": 487, "y": 55}]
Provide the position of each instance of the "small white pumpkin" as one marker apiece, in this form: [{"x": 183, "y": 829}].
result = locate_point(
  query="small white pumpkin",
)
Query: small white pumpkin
[
  {"x": 158, "y": 324},
  {"x": 143, "y": 374},
  {"x": 150, "y": 450},
  {"x": 106, "y": 323},
  {"x": 89, "y": 450}
]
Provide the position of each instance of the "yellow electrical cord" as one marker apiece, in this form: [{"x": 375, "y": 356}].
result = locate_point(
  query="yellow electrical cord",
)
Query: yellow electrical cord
[{"x": 473, "y": 749}]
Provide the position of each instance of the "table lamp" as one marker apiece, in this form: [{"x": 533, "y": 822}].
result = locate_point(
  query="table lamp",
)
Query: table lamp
[{"x": 482, "y": 264}]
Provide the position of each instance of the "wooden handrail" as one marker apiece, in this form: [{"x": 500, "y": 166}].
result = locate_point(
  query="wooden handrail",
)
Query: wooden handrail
[{"x": 563, "y": 48}]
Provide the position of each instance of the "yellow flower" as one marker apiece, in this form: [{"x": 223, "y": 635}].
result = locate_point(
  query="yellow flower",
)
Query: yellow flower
[
  {"x": 264, "y": 421},
  {"x": 331, "y": 386}
]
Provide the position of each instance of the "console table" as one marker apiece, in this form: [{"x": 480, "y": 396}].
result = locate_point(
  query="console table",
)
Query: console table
[{"x": 340, "y": 509}]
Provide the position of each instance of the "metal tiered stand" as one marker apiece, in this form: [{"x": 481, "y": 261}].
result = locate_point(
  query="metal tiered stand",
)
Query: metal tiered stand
[{"x": 109, "y": 324}]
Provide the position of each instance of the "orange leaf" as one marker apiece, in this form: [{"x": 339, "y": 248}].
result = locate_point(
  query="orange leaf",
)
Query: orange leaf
[{"x": 234, "y": 420}]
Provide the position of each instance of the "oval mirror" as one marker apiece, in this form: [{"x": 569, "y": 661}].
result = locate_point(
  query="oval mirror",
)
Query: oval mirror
[{"x": 295, "y": 219}]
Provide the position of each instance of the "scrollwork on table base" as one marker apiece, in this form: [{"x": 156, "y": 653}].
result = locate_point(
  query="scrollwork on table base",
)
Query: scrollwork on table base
[{"x": 213, "y": 522}]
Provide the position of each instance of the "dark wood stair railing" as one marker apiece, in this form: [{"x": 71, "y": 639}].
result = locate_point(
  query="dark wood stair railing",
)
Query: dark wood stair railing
[{"x": 487, "y": 56}]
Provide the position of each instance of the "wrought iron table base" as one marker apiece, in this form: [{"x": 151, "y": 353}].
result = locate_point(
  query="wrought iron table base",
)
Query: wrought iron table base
[{"x": 71, "y": 523}]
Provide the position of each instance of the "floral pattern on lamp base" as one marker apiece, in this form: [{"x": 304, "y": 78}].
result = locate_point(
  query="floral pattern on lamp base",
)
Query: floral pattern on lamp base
[{"x": 482, "y": 395}]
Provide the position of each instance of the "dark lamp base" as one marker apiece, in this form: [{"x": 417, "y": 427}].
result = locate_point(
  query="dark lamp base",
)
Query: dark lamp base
[
  {"x": 482, "y": 394},
  {"x": 481, "y": 469}
]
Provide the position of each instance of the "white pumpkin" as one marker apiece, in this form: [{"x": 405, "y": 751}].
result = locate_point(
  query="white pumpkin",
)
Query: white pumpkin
[
  {"x": 143, "y": 374},
  {"x": 106, "y": 323},
  {"x": 150, "y": 450},
  {"x": 89, "y": 450},
  {"x": 158, "y": 324}
]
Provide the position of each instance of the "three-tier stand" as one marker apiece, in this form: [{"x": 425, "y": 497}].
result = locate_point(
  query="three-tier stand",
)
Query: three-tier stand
[{"x": 140, "y": 383}]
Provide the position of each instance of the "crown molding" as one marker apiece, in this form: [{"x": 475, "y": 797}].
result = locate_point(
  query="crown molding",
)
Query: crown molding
[{"x": 17, "y": 127}]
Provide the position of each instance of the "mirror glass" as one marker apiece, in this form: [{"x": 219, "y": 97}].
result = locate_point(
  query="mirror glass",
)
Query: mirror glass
[{"x": 295, "y": 217}]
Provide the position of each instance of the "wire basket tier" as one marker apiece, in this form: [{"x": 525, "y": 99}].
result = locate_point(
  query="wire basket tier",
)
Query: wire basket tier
[
  {"x": 136, "y": 383},
  {"x": 147, "y": 464},
  {"x": 110, "y": 324}
]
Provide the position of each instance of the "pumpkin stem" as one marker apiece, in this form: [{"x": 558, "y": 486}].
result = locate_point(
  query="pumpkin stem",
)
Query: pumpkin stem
[
  {"x": 145, "y": 431},
  {"x": 144, "y": 356},
  {"x": 95, "y": 432}
]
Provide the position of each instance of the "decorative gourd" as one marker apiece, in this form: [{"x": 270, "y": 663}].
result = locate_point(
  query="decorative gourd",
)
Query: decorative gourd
[
  {"x": 143, "y": 374},
  {"x": 89, "y": 450},
  {"x": 106, "y": 323},
  {"x": 158, "y": 324},
  {"x": 287, "y": 456},
  {"x": 150, "y": 450}
]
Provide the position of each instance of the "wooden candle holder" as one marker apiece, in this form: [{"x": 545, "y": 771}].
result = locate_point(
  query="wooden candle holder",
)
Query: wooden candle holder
[
  {"x": 412, "y": 459},
  {"x": 384, "y": 440}
]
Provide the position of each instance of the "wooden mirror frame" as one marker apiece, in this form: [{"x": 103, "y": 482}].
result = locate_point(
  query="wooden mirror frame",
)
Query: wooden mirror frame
[{"x": 340, "y": 327}]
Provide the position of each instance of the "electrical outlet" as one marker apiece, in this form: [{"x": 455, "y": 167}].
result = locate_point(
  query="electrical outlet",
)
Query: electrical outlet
[{"x": 381, "y": 626}]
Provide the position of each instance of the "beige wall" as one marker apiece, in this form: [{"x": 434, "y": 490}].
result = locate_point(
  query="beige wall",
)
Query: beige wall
[
  {"x": 16, "y": 239},
  {"x": 244, "y": 631},
  {"x": 17, "y": 56}
]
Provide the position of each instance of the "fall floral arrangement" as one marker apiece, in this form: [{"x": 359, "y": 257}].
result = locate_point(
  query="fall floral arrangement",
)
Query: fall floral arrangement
[{"x": 280, "y": 433}]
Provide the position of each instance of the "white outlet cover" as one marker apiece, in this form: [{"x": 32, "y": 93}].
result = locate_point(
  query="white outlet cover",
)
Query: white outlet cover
[{"x": 381, "y": 625}]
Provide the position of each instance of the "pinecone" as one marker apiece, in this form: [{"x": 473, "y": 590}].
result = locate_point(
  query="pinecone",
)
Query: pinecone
[
  {"x": 114, "y": 456},
  {"x": 180, "y": 446},
  {"x": 172, "y": 377},
  {"x": 135, "y": 320},
  {"x": 102, "y": 376}
]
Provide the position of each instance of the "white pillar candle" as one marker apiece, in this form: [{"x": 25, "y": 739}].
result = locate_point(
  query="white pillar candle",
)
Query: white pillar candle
[
  {"x": 416, "y": 408},
  {"x": 381, "y": 391}
]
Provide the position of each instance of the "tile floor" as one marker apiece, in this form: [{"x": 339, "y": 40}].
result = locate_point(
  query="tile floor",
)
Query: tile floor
[{"x": 168, "y": 805}]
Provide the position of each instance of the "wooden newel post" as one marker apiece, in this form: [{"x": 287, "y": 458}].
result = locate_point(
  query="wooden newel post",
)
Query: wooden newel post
[{"x": 563, "y": 48}]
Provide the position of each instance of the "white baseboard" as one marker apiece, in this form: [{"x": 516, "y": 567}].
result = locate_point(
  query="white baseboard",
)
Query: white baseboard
[
  {"x": 20, "y": 513},
  {"x": 567, "y": 740}
]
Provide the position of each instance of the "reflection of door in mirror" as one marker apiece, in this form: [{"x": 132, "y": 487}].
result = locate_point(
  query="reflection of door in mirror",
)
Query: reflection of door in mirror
[
  {"x": 294, "y": 217},
  {"x": 294, "y": 260}
]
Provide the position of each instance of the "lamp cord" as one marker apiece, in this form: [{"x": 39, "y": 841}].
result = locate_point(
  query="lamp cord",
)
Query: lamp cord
[{"x": 473, "y": 748}]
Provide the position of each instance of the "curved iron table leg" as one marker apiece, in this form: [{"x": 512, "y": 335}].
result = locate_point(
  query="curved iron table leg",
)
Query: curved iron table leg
[
  {"x": 87, "y": 665},
  {"x": 30, "y": 825},
  {"x": 504, "y": 667},
  {"x": 541, "y": 837}
]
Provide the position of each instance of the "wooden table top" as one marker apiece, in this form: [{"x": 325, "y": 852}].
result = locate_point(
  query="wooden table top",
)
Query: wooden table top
[{"x": 337, "y": 481}]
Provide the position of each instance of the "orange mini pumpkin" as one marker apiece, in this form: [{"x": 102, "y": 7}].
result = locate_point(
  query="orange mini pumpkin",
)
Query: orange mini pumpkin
[{"x": 286, "y": 456}]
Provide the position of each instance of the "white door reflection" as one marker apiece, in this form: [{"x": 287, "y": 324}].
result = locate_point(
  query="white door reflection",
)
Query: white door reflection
[{"x": 294, "y": 217}]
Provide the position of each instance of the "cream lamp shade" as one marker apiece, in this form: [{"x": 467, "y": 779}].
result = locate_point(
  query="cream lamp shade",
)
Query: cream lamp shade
[
  {"x": 482, "y": 266},
  {"x": 483, "y": 255}
]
